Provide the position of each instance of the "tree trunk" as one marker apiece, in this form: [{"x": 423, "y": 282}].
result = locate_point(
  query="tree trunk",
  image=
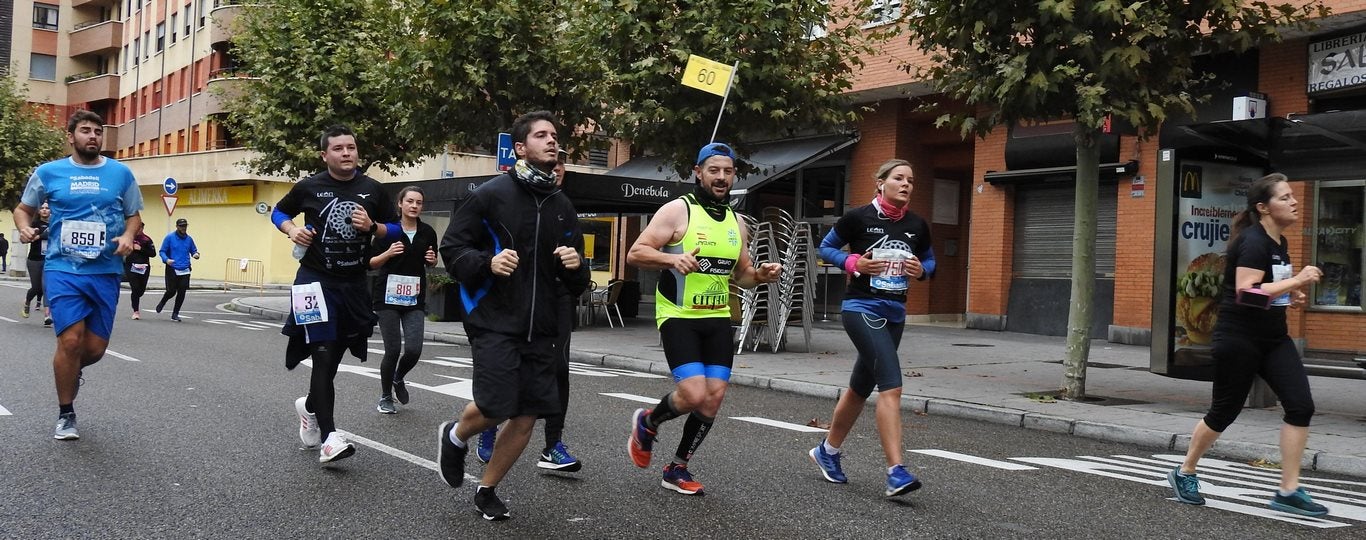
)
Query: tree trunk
[{"x": 1083, "y": 265}]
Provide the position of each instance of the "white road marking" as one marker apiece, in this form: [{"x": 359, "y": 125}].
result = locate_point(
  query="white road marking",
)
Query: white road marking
[
  {"x": 424, "y": 342},
  {"x": 405, "y": 456},
  {"x": 4, "y": 411},
  {"x": 462, "y": 388},
  {"x": 630, "y": 397},
  {"x": 119, "y": 355},
  {"x": 7, "y": 319},
  {"x": 590, "y": 370},
  {"x": 1006, "y": 465},
  {"x": 1221, "y": 492},
  {"x": 778, "y": 424}
]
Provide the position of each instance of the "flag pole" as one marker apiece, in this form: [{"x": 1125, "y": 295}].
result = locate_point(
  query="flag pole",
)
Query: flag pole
[{"x": 724, "y": 97}]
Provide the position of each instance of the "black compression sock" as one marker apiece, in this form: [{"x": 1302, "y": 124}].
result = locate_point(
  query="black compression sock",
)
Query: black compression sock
[
  {"x": 694, "y": 432},
  {"x": 69, "y": 408},
  {"x": 663, "y": 412}
]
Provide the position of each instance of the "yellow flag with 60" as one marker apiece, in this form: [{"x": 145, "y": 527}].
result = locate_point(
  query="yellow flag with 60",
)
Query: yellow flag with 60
[{"x": 707, "y": 75}]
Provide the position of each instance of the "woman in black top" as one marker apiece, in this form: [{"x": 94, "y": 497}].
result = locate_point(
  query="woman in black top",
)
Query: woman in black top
[
  {"x": 399, "y": 297},
  {"x": 37, "y": 254},
  {"x": 1251, "y": 339},
  {"x": 137, "y": 268}
]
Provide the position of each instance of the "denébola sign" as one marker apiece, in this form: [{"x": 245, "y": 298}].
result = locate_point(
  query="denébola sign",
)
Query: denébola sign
[{"x": 1337, "y": 63}]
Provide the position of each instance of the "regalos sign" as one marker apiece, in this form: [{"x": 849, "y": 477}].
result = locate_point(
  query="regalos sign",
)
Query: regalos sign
[{"x": 1337, "y": 63}]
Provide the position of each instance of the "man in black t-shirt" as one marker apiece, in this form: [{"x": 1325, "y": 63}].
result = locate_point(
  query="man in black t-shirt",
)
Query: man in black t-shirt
[{"x": 343, "y": 209}]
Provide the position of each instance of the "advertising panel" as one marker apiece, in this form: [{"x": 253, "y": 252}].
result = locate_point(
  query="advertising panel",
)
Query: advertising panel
[{"x": 1209, "y": 195}]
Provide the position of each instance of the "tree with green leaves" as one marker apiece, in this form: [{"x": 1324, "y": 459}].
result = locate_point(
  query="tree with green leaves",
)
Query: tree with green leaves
[
  {"x": 1085, "y": 61},
  {"x": 476, "y": 65},
  {"x": 797, "y": 60},
  {"x": 316, "y": 63},
  {"x": 27, "y": 139}
]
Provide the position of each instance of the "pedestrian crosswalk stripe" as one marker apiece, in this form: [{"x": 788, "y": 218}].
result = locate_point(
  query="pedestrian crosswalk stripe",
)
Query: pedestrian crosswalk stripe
[
  {"x": 123, "y": 356},
  {"x": 778, "y": 424},
  {"x": 1226, "y": 485},
  {"x": 630, "y": 397},
  {"x": 1006, "y": 465}
]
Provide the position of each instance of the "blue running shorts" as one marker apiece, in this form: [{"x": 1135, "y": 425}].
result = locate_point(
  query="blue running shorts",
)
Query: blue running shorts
[{"x": 79, "y": 297}]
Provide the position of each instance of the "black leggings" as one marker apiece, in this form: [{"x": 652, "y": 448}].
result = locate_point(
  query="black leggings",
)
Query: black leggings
[
  {"x": 554, "y": 423},
  {"x": 35, "y": 280},
  {"x": 322, "y": 394},
  {"x": 1238, "y": 358},
  {"x": 138, "y": 282},
  {"x": 402, "y": 334},
  {"x": 175, "y": 286}
]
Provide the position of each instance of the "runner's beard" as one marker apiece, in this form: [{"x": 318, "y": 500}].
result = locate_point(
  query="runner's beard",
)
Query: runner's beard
[
  {"x": 86, "y": 153},
  {"x": 705, "y": 195}
]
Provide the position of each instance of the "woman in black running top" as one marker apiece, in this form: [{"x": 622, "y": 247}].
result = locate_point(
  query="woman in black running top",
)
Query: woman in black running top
[
  {"x": 1251, "y": 339},
  {"x": 37, "y": 254}
]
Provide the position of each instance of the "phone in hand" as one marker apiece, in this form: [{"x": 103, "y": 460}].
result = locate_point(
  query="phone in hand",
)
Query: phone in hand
[{"x": 1253, "y": 297}]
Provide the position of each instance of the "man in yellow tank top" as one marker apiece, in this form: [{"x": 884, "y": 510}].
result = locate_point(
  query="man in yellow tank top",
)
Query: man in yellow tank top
[{"x": 698, "y": 246}]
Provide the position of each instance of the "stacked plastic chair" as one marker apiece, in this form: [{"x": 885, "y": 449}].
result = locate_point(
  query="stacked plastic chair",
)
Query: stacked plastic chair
[{"x": 768, "y": 310}]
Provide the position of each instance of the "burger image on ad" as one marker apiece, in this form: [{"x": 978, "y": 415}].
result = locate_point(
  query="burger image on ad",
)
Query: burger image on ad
[{"x": 1197, "y": 297}]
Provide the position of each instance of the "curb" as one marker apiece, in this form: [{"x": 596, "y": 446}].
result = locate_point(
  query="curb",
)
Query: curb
[{"x": 1315, "y": 460}]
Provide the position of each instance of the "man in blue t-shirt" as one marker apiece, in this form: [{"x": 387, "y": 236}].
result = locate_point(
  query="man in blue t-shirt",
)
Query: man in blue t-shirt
[{"x": 95, "y": 203}]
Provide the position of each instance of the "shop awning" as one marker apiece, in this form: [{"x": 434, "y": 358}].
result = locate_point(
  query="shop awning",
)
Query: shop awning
[
  {"x": 1108, "y": 171},
  {"x": 771, "y": 160},
  {"x": 1318, "y": 146},
  {"x": 591, "y": 193}
]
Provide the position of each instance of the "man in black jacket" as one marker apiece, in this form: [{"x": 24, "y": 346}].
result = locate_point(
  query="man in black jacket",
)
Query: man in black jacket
[{"x": 506, "y": 245}]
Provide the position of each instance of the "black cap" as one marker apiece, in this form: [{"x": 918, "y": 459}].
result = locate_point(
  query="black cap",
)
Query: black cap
[{"x": 181, "y": 222}]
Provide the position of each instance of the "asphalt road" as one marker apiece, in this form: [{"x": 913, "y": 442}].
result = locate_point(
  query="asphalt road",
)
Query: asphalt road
[{"x": 189, "y": 431}]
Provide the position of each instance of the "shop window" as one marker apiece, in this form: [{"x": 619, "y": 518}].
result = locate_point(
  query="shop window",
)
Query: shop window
[
  {"x": 822, "y": 192},
  {"x": 1339, "y": 234},
  {"x": 597, "y": 244}
]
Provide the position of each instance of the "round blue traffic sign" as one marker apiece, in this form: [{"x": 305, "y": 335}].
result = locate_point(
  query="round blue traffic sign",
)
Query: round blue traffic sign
[{"x": 170, "y": 186}]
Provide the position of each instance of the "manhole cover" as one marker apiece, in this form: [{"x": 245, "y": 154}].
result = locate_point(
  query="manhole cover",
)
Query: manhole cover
[{"x": 972, "y": 345}]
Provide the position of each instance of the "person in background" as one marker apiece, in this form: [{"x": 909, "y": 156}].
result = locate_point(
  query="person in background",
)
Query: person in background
[
  {"x": 37, "y": 250},
  {"x": 137, "y": 268},
  {"x": 400, "y": 298},
  {"x": 888, "y": 246},
  {"x": 176, "y": 251},
  {"x": 1251, "y": 339},
  {"x": 4, "y": 253}
]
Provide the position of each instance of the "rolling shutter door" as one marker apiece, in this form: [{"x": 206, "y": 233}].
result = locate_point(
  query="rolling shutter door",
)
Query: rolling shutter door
[{"x": 1043, "y": 231}]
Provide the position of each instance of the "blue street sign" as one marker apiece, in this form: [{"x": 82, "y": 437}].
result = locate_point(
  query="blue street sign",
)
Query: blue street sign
[
  {"x": 170, "y": 186},
  {"x": 506, "y": 157}
]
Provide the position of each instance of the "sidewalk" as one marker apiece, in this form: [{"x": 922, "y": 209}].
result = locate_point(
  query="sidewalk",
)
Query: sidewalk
[{"x": 989, "y": 376}]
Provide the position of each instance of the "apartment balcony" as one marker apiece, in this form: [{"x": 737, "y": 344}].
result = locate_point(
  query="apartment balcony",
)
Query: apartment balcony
[
  {"x": 88, "y": 88},
  {"x": 223, "y": 86},
  {"x": 96, "y": 38},
  {"x": 223, "y": 20},
  {"x": 111, "y": 137}
]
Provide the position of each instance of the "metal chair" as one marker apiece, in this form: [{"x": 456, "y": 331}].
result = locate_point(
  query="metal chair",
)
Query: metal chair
[
  {"x": 585, "y": 303},
  {"x": 607, "y": 300}
]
